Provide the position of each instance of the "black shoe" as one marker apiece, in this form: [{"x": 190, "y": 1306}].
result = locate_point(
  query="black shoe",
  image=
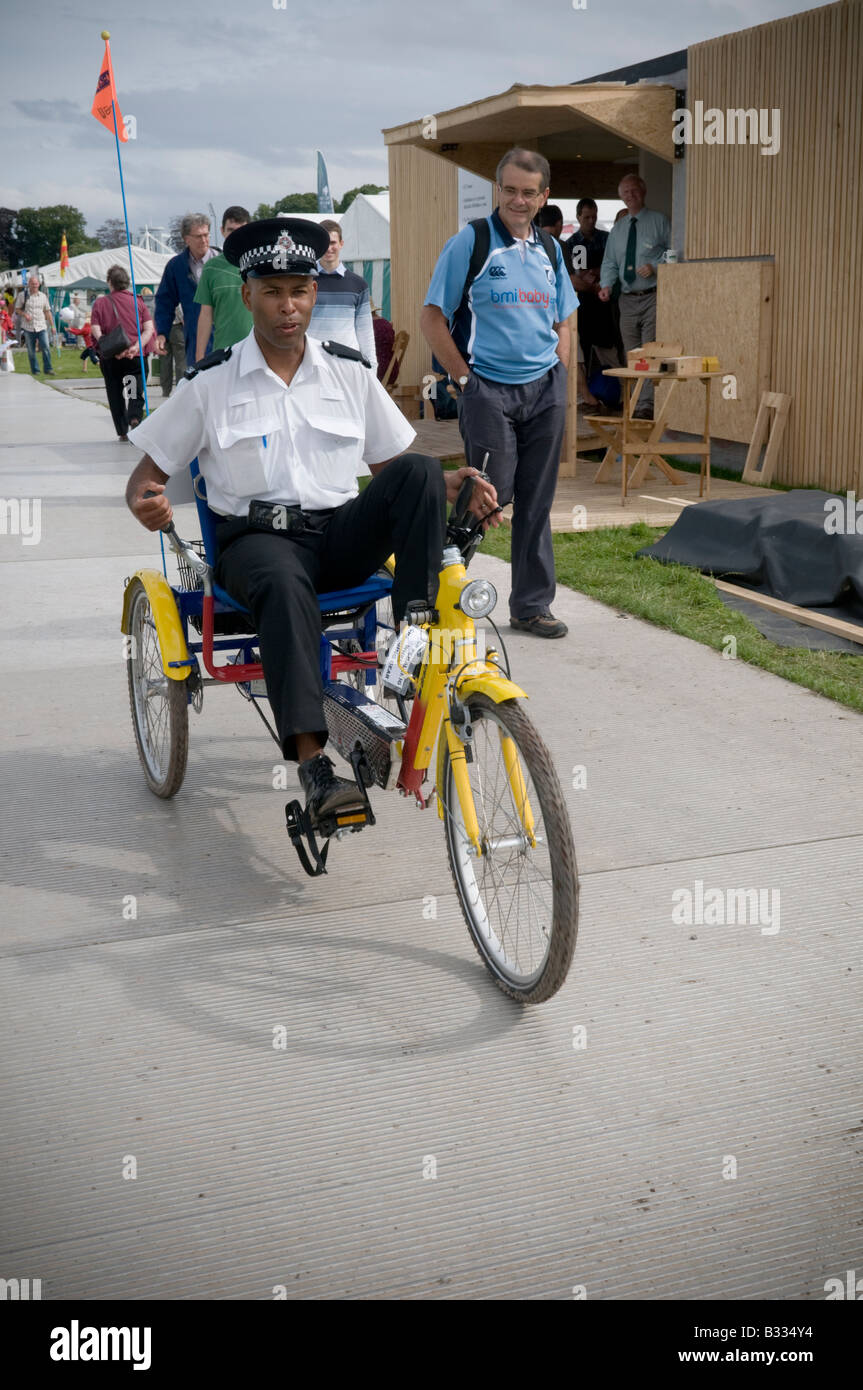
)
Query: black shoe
[
  {"x": 541, "y": 625},
  {"x": 327, "y": 794}
]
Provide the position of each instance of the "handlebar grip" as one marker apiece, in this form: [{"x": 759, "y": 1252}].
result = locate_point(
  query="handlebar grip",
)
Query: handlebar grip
[
  {"x": 170, "y": 526},
  {"x": 462, "y": 502}
]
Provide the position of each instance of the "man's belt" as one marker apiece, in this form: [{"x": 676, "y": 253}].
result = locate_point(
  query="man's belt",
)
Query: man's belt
[
  {"x": 284, "y": 519},
  {"x": 633, "y": 294}
]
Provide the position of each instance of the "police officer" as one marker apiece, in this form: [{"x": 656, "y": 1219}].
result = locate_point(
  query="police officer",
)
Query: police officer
[{"x": 281, "y": 425}]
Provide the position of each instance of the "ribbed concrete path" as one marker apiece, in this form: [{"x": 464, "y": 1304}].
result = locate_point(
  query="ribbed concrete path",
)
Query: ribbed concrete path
[{"x": 709, "y": 1050}]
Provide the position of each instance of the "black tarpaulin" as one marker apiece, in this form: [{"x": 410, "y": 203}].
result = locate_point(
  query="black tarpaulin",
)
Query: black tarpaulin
[{"x": 800, "y": 546}]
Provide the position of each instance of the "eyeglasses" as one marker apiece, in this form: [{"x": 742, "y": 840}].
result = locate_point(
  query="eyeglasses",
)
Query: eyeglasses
[{"x": 531, "y": 194}]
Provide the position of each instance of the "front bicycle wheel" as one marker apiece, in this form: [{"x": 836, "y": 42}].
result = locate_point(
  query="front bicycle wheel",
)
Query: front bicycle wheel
[
  {"x": 520, "y": 895},
  {"x": 160, "y": 707}
]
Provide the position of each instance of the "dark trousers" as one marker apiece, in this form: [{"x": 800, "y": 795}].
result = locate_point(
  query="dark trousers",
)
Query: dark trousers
[
  {"x": 115, "y": 370},
  {"x": 521, "y": 428},
  {"x": 278, "y": 577}
]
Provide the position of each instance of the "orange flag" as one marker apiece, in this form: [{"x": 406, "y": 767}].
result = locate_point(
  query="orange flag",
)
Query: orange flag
[
  {"x": 64, "y": 257},
  {"x": 106, "y": 92}
]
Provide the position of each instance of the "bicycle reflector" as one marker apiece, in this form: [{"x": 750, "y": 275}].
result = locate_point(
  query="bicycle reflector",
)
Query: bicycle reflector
[{"x": 477, "y": 598}]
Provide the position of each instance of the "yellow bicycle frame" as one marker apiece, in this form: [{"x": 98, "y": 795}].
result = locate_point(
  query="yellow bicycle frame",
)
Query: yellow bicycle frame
[{"x": 455, "y": 669}]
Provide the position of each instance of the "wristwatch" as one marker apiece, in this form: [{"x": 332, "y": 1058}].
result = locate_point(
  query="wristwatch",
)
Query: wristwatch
[{"x": 463, "y": 381}]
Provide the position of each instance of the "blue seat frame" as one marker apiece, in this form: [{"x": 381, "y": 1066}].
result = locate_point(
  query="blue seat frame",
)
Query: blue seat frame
[{"x": 357, "y": 606}]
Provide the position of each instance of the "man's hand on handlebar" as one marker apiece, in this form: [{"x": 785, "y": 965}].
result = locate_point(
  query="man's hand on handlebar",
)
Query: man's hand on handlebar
[
  {"x": 151, "y": 506},
  {"x": 484, "y": 499}
]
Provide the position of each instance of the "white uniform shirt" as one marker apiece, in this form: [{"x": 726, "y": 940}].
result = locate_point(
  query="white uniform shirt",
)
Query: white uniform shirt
[{"x": 255, "y": 437}]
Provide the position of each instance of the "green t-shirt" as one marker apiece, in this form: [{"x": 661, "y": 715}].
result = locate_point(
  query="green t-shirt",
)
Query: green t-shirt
[{"x": 219, "y": 286}]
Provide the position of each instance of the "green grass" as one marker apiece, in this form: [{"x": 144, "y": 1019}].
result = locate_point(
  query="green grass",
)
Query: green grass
[
  {"x": 66, "y": 364},
  {"x": 603, "y": 565}
]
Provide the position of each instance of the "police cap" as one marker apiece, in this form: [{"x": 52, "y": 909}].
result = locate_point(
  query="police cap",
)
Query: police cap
[{"x": 277, "y": 246}]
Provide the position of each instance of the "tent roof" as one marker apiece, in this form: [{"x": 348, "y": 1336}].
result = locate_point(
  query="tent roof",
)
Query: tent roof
[
  {"x": 148, "y": 265},
  {"x": 87, "y": 282}
]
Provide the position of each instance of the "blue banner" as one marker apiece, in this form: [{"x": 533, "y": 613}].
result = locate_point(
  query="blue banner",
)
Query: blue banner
[{"x": 325, "y": 197}]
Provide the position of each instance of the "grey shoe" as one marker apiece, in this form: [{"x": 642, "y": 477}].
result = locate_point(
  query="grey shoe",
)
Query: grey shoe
[
  {"x": 327, "y": 794},
  {"x": 541, "y": 625}
]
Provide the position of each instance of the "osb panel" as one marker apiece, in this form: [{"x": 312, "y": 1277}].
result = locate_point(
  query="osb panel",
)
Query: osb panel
[{"x": 720, "y": 309}]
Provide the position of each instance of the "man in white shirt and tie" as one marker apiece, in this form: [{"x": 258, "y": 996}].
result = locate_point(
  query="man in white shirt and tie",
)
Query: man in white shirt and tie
[{"x": 635, "y": 246}]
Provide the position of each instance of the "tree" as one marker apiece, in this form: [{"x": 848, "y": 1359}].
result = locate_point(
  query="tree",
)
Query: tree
[
  {"x": 111, "y": 233},
  {"x": 8, "y": 252},
  {"x": 352, "y": 193},
  {"x": 174, "y": 234},
  {"x": 39, "y": 231},
  {"x": 292, "y": 202}
]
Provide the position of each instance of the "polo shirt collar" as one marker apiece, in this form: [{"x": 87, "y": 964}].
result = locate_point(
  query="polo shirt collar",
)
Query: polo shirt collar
[{"x": 503, "y": 231}]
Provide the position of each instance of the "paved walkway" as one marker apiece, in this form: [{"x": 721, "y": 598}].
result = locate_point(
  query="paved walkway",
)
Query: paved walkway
[{"x": 704, "y": 1143}]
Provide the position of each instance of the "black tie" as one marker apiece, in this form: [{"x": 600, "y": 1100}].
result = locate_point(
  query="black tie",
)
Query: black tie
[{"x": 629, "y": 264}]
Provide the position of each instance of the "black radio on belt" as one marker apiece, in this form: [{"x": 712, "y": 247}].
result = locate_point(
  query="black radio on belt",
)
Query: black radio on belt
[{"x": 284, "y": 519}]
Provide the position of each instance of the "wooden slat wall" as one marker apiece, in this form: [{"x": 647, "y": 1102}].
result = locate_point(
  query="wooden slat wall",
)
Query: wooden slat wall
[
  {"x": 423, "y": 215},
  {"x": 803, "y": 206}
]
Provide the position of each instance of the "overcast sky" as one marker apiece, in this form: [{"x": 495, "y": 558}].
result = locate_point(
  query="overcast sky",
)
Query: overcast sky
[{"x": 232, "y": 99}]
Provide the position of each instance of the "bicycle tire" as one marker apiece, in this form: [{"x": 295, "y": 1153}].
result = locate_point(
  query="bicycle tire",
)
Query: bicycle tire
[
  {"x": 165, "y": 768},
  {"x": 481, "y": 896}
]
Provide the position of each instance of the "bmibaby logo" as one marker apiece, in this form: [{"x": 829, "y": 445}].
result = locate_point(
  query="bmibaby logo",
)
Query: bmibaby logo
[
  {"x": 77, "y": 1343},
  {"x": 520, "y": 297}
]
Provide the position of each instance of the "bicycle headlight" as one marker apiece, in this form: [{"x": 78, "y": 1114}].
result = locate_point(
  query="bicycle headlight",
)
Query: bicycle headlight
[{"x": 478, "y": 598}]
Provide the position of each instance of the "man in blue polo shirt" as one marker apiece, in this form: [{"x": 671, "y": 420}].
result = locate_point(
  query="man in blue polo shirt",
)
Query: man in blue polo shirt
[{"x": 505, "y": 342}]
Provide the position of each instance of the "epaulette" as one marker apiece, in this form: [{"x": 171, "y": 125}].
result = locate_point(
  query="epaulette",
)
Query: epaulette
[
  {"x": 342, "y": 350},
  {"x": 211, "y": 360}
]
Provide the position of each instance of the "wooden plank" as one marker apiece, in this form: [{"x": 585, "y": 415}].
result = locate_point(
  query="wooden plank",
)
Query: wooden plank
[
  {"x": 791, "y": 610},
  {"x": 755, "y": 470},
  {"x": 418, "y": 180}
]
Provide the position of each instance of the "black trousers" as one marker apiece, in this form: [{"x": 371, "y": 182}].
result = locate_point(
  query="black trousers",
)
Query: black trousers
[
  {"x": 125, "y": 416},
  {"x": 279, "y": 576}
]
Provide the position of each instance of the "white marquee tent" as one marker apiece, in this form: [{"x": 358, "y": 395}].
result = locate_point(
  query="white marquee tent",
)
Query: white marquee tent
[{"x": 148, "y": 266}]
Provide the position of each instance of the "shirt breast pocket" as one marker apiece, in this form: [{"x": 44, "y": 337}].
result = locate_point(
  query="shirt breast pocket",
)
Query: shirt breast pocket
[
  {"x": 244, "y": 456},
  {"x": 335, "y": 450}
]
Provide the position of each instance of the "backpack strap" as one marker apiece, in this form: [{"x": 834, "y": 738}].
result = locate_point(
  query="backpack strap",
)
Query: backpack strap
[
  {"x": 481, "y": 244},
  {"x": 547, "y": 240}
]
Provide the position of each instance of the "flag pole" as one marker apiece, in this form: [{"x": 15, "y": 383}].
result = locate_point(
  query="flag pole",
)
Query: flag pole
[{"x": 106, "y": 36}]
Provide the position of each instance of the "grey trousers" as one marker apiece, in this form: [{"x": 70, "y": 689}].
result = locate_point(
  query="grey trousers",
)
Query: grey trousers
[
  {"x": 521, "y": 429},
  {"x": 637, "y": 326}
]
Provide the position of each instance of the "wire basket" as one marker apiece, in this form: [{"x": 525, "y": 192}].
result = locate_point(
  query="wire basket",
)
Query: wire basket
[{"x": 188, "y": 578}]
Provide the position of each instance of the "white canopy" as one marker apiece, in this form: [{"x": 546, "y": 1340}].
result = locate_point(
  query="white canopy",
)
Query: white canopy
[
  {"x": 148, "y": 265},
  {"x": 366, "y": 228}
]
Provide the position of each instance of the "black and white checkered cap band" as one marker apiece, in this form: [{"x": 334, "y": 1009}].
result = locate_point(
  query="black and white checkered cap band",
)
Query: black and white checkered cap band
[{"x": 261, "y": 255}]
